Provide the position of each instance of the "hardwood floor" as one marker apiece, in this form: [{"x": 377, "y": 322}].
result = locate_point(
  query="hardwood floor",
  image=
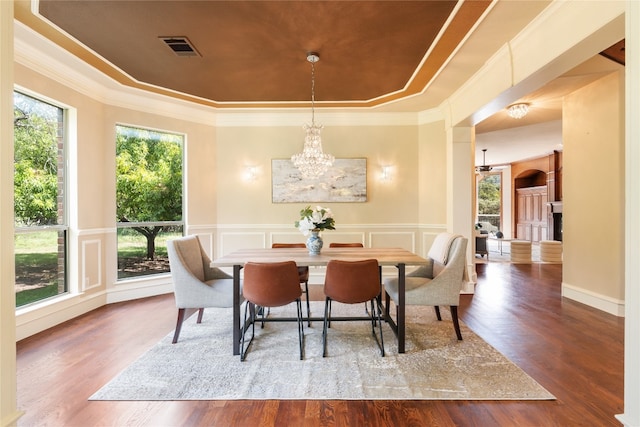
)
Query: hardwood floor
[{"x": 574, "y": 351}]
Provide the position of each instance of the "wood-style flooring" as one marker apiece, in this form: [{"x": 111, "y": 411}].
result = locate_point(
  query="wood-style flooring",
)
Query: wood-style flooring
[{"x": 574, "y": 351}]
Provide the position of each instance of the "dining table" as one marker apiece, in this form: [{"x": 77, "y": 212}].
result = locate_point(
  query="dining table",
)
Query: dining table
[{"x": 397, "y": 257}]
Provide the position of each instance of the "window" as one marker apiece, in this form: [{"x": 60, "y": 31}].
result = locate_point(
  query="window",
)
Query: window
[
  {"x": 489, "y": 199},
  {"x": 39, "y": 202},
  {"x": 148, "y": 198}
]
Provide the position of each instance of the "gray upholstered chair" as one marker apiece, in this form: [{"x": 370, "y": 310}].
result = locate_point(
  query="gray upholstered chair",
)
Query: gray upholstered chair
[
  {"x": 439, "y": 282},
  {"x": 197, "y": 285}
]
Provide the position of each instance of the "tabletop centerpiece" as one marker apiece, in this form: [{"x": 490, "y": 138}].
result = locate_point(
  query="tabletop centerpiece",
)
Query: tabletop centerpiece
[{"x": 313, "y": 221}]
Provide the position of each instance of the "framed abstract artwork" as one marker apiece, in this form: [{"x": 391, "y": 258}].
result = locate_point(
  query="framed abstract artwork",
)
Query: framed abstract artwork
[{"x": 344, "y": 181}]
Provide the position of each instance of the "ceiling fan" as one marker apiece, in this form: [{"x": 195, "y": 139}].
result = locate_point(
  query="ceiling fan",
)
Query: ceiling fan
[{"x": 484, "y": 168}]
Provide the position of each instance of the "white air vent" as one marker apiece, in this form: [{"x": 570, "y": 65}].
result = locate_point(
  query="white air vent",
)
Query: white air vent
[{"x": 181, "y": 46}]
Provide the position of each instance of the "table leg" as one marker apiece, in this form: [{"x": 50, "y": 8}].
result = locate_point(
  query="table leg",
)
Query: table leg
[
  {"x": 401, "y": 307},
  {"x": 236, "y": 309}
]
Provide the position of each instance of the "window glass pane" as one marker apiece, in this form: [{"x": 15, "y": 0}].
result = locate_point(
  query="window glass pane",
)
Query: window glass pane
[
  {"x": 132, "y": 252},
  {"x": 40, "y": 262},
  {"x": 489, "y": 200},
  {"x": 39, "y": 182},
  {"x": 149, "y": 198}
]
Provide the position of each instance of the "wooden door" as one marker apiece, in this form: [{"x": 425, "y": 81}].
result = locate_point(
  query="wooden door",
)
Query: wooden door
[{"x": 531, "y": 222}]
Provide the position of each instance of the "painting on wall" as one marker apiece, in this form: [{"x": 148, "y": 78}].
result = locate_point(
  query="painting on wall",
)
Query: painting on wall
[{"x": 345, "y": 181}]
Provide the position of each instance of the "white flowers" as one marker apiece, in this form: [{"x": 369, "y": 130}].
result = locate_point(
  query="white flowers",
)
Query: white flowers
[{"x": 315, "y": 220}]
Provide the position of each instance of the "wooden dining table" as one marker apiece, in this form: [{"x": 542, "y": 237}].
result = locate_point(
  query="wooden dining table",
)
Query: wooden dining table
[{"x": 397, "y": 257}]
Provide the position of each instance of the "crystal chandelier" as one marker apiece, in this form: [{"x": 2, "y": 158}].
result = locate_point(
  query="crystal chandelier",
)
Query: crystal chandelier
[
  {"x": 518, "y": 111},
  {"x": 312, "y": 162}
]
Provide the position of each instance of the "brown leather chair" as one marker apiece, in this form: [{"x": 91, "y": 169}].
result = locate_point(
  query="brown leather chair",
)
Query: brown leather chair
[
  {"x": 349, "y": 245},
  {"x": 270, "y": 285},
  {"x": 303, "y": 274},
  {"x": 346, "y": 245},
  {"x": 353, "y": 282}
]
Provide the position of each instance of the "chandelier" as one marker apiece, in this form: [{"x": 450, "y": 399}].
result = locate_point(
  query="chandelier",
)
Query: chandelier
[
  {"x": 312, "y": 162},
  {"x": 518, "y": 111}
]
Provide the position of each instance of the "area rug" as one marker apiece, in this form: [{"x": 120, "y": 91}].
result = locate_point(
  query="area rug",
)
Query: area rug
[{"x": 435, "y": 365}]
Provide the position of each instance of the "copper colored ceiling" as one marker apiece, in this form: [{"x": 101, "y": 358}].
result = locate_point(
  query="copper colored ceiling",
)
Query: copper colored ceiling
[{"x": 253, "y": 53}]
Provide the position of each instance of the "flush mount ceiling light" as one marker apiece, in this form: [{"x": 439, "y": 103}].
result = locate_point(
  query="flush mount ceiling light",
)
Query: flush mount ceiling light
[
  {"x": 484, "y": 169},
  {"x": 312, "y": 162},
  {"x": 518, "y": 111}
]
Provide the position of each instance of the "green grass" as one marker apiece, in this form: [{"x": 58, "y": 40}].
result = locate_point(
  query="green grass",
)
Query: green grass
[
  {"x": 132, "y": 254},
  {"x": 33, "y": 295},
  {"x": 36, "y": 261},
  {"x": 36, "y": 266}
]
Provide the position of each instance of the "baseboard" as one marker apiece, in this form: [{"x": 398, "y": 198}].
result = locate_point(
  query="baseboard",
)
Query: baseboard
[
  {"x": 32, "y": 320},
  {"x": 595, "y": 300},
  {"x": 40, "y": 317},
  {"x": 135, "y": 289}
]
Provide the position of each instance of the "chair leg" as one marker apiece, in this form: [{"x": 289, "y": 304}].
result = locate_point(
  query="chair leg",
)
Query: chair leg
[
  {"x": 376, "y": 311},
  {"x": 181, "y": 312},
  {"x": 387, "y": 302},
  {"x": 325, "y": 327},
  {"x": 373, "y": 319},
  {"x": 437, "y": 312},
  {"x": 306, "y": 291},
  {"x": 200, "y": 313},
  {"x": 300, "y": 328},
  {"x": 243, "y": 349},
  {"x": 456, "y": 324}
]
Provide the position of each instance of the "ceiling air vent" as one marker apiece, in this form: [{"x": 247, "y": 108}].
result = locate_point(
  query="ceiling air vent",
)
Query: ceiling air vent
[{"x": 181, "y": 46}]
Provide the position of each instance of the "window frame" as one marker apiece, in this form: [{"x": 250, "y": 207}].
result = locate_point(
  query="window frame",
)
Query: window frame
[
  {"x": 121, "y": 225},
  {"x": 62, "y": 201}
]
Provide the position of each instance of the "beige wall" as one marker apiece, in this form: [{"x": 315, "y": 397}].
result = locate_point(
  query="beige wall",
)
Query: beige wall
[
  {"x": 222, "y": 207},
  {"x": 243, "y": 202},
  {"x": 593, "y": 189},
  {"x": 432, "y": 174}
]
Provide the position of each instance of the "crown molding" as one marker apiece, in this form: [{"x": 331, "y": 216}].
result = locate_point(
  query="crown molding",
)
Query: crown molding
[
  {"x": 44, "y": 57},
  {"x": 36, "y": 52}
]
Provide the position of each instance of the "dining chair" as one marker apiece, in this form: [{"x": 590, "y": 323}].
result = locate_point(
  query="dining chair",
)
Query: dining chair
[
  {"x": 346, "y": 245},
  {"x": 303, "y": 274},
  {"x": 196, "y": 285},
  {"x": 437, "y": 283},
  {"x": 349, "y": 245},
  {"x": 270, "y": 285},
  {"x": 353, "y": 282}
]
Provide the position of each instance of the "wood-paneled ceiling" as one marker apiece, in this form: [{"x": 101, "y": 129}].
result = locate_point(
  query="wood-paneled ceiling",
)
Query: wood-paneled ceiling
[
  {"x": 253, "y": 53},
  {"x": 393, "y": 56}
]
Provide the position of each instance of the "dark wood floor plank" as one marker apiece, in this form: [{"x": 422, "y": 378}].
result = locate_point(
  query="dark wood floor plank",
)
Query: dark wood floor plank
[{"x": 574, "y": 351}]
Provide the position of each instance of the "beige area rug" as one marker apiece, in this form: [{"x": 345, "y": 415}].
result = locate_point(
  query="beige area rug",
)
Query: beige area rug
[{"x": 435, "y": 366}]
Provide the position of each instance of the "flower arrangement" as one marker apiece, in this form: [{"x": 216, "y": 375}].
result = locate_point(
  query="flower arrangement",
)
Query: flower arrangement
[{"x": 317, "y": 219}]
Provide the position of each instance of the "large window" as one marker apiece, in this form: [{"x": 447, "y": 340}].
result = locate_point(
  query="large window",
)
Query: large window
[
  {"x": 490, "y": 199},
  {"x": 39, "y": 202},
  {"x": 148, "y": 198}
]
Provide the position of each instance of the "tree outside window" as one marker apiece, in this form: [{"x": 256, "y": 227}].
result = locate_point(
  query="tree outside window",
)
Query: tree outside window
[
  {"x": 39, "y": 202},
  {"x": 489, "y": 199},
  {"x": 148, "y": 198}
]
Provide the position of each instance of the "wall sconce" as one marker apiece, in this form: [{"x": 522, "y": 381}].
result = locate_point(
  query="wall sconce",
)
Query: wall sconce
[
  {"x": 385, "y": 174},
  {"x": 250, "y": 173}
]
